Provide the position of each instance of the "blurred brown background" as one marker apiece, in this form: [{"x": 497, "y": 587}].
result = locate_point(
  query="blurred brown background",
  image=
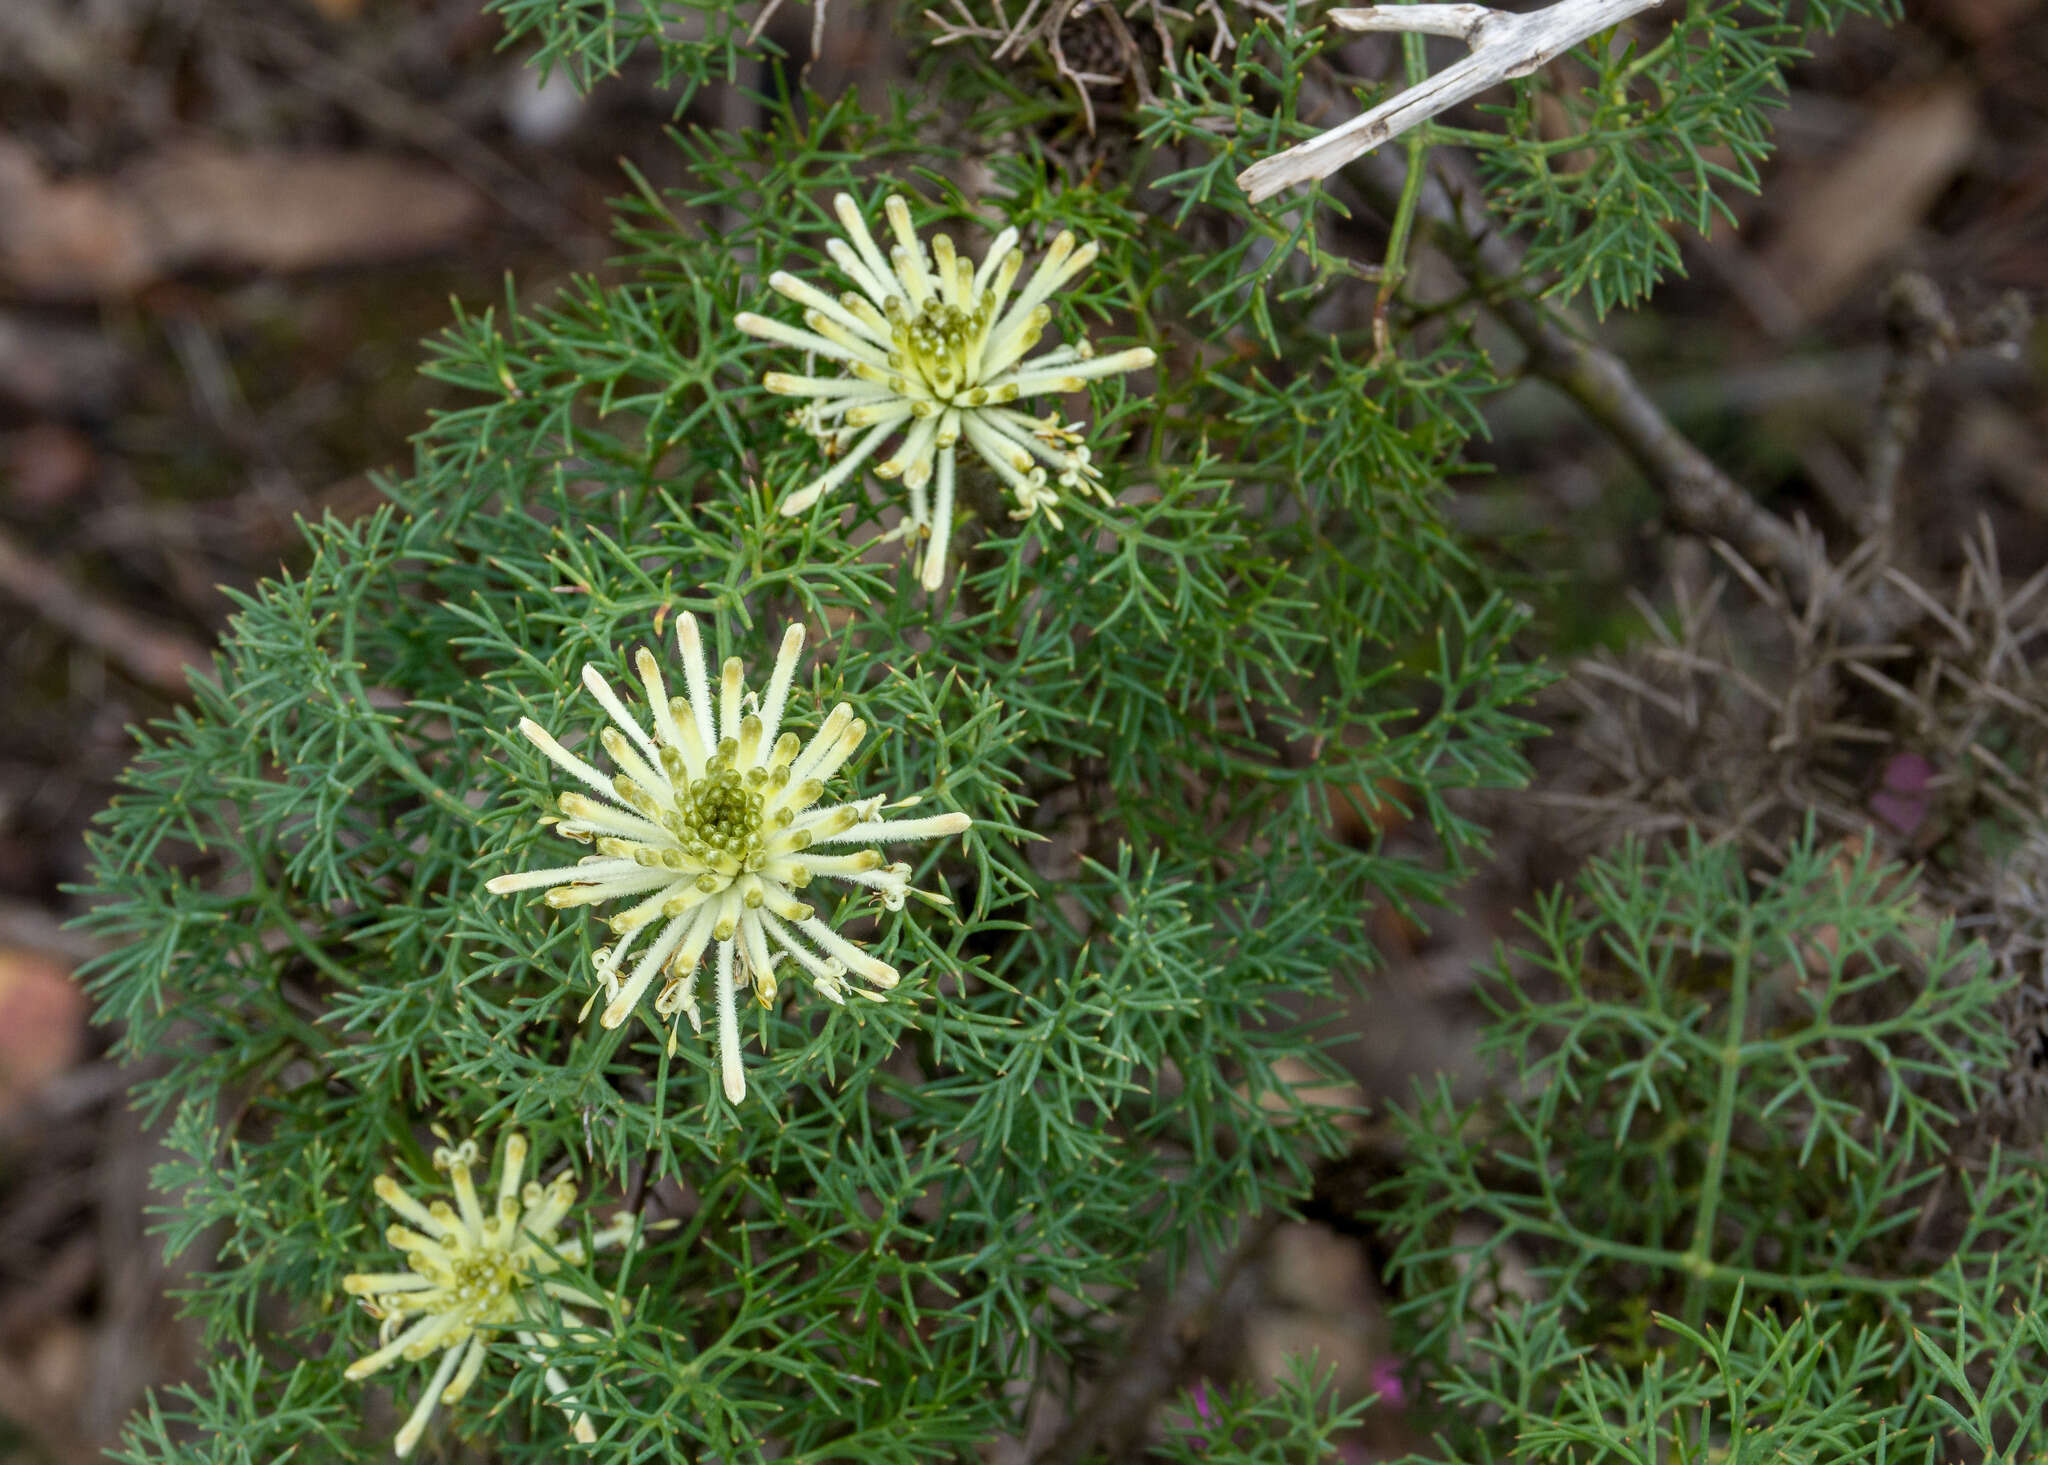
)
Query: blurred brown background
[
  {"x": 225, "y": 224},
  {"x": 223, "y": 229}
]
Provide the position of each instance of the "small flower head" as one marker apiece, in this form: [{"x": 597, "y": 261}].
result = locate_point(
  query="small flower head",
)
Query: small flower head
[
  {"x": 474, "y": 1272},
  {"x": 935, "y": 347},
  {"x": 711, "y": 828}
]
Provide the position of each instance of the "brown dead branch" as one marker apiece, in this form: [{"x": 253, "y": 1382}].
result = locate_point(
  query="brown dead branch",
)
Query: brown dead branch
[{"x": 1699, "y": 497}]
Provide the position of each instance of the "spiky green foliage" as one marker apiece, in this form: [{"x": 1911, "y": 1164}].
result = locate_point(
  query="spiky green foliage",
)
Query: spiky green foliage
[
  {"x": 1161, "y": 719},
  {"x": 1593, "y": 163},
  {"x": 694, "y": 42},
  {"x": 1730, "y": 1201},
  {"x": 1154, "y": 716},
  {"x": 1298, "y": 1420},
  {"x": 1599, "y": 159}
]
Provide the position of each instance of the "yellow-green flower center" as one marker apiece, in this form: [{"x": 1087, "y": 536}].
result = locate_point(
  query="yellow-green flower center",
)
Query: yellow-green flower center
[
  {"x": 717, "y": 820},
  {"x": 933, "y": 344},
  {"x": 484, "y": 1285}
]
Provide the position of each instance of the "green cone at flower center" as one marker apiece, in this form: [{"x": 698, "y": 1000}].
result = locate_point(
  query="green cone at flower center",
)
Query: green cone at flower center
[
  {"x": 717, "y": 819},
  {"x": 716, "y": 826},
  {"x": 933, "y": 345}
]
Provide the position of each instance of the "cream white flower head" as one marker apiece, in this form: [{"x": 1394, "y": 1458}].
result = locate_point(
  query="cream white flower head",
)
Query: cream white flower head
[
  {"x": 711, "y": 827},
  {"x": 475, "y": 1272},
  {"x": 936, "y": 348}
]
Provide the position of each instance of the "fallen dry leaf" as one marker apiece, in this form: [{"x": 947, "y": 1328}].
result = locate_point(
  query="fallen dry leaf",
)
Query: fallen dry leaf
[
  {"x": 297, "y": 211},
  {"x": 45, "y": 466},
  {"x": 42, "y": 1023},
  {"x": 67, "y": 239},
  {"x": 1870, "y": 201},
  {"x": 201, "y": 205}
]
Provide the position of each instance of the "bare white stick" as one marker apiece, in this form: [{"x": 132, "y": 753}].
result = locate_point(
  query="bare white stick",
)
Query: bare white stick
[
  {"x": 1458, "y": 21},
  {"x": 1504, "y": 46}
]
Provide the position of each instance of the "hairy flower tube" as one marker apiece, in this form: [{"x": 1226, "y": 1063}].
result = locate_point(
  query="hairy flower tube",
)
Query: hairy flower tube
[
  {"x": 936, "y": 348},
  {"x": 474, "y": 1272},
  {"x": 712, "y": 827}
]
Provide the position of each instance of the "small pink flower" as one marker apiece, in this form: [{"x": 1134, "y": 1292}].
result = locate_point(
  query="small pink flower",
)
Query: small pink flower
[
  {"x": 1905, "y": 798},
  {"x": 1202, "y": 1412},
  {"x": 1386, "y": 1382}
]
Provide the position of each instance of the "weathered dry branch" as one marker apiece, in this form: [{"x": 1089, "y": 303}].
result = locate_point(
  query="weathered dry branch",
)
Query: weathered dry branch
[
  {"x": 1504, "y": 46},
  {"x": 1699, "y": 497}
]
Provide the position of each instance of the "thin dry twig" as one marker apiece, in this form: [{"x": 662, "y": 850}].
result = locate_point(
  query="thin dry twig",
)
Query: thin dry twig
[
  {"x": 1923, "y": 337},
  {"x": 1078, "y": 80},
  {"x": 1026, "y": 30},
  {"x": 818, "y": 9},
  {"x": 1223, "y": 40}
]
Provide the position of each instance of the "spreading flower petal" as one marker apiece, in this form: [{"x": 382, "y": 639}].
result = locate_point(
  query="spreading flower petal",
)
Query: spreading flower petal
[
  {"x": 715, "y": 821},
  {"x": 932, "y": 346},
  {"x": 475, "y": 1272}
]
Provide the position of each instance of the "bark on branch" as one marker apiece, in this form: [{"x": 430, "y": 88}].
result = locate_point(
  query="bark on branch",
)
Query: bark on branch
[{"x": 1699, "y": 497}]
